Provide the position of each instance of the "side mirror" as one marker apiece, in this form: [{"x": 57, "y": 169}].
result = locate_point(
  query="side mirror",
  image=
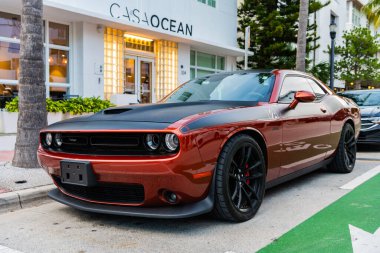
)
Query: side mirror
[{"x": 302, "y": 96}]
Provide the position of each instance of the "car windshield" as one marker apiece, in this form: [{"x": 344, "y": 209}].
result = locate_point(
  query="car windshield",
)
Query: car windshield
[
  {"x": 364, "y": 98},
  {"x": 225, "y": 87}
]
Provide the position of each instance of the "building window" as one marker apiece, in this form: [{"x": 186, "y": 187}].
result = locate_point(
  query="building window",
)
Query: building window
[
  {"x": 10, "y": 27},
  {"x": 9, "y": 60},
  {"x": 138, "y": 43},
  {"x": 57, "y": 48},
  {"x": 58, "y": 34},
  {"x": 202, "y": 64},
  {"x": 211, "y": 3},
  {"x": 356, "y": 17},
  {"x": 113, "y": 62},
  {"x": 57, "y": 54},
  {"x": 58, "y": 66}
]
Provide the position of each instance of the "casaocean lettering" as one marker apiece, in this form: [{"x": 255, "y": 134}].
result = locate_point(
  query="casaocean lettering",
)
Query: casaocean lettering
[{"x": 137, "y": 16}]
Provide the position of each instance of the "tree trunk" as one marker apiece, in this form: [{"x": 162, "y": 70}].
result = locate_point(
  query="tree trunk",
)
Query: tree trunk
[
  {"x": 358, "y": 85},
  {"x": 32, "y": 91},
  {"x": 301, "y": 38}
]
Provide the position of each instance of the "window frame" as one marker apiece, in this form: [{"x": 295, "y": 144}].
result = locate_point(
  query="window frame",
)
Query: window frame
[
  {"x": 207, "y": 2},
  {"x": 319, "y": 85},
  {"x": 213, "y": 70},
  {"x": 47, "y": 47},
  {"x": 295, "y": 75}
]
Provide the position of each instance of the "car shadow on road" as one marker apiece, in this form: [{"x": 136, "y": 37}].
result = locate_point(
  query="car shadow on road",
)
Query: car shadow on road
[
  {"x": 174, "y": 226},
  {"x": 370, "y": 148},
  {"x": 170, "y": 226}
]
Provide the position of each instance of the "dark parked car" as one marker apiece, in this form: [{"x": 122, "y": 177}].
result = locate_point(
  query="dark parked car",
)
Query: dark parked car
[
  {"x": 369, "y": 103},
  {"x": 214, "y": 144}
]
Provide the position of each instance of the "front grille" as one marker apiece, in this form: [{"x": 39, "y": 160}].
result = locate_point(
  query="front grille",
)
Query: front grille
[
  {"x": 109, "y": 144},
  {"x": 367, "y": 124},
  {"x": 115, "y": 193}
]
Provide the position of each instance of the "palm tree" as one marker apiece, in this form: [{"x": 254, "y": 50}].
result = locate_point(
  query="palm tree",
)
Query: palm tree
[
  {"x": 372, "y": 11},
  {"x": 32, "y": 91},
  {"x": 302, "y": 34}
]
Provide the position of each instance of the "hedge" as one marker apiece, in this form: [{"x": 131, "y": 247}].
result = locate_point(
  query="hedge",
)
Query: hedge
[{"x": 77, "y": 105}]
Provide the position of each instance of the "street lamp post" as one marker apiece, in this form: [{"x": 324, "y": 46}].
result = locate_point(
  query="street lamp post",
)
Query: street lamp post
[{"x": 332, "y": 53}]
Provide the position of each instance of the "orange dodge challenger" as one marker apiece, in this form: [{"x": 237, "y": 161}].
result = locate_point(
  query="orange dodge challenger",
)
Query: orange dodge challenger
[{"x": 212, "y": 145}]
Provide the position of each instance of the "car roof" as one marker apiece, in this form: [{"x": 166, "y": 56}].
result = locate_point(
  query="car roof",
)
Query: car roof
[{"x": 283, "y": 71}]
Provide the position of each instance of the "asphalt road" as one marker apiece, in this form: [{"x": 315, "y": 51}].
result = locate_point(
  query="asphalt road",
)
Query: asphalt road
[{"x": 54, "y": 227}]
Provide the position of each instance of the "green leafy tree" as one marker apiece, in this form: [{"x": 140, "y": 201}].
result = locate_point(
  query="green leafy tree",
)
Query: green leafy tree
[
  {"x": 321, "y": 71},
  {"x": 274, "y": 28},
  {"x": 358, "y": 62},
  {"x": 372, "y": 11}
]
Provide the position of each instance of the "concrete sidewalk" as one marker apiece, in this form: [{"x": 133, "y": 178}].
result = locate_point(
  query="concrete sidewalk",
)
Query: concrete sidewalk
[{"x": 20, "y": 187}]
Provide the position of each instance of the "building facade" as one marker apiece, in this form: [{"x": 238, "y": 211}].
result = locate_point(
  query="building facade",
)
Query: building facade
[
  {"x": 347, "y": 15},
  {"x": 127, "y": 51}
]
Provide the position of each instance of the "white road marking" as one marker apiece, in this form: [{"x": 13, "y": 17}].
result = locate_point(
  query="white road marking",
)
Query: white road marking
[
  {"x": 4, "y": 249},
  {"x": 361, "y": 179},
  {"x": 363, "y": 241}
]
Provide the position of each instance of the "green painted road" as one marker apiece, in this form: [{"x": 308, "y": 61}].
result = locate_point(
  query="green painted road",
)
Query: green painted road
[{"x": 328, "y": 230}]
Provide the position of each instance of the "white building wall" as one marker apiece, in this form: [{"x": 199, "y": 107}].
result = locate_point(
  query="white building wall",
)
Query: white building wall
[
  {"x": 183, "y": 63},
  {"x": 77, "y": 60},
  {"x": 337, "y": 8},
  {"x": 230, "y": 63},
  {"x": 88, "y": 58},
  {"x": 93, "y": 60},
  {"x": 210, "y": 25}
]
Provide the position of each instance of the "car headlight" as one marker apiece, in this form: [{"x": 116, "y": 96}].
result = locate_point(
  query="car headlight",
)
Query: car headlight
[
  {"x": 48, "y": 139},
  {"x": 171, "y": 142},
  {"x": 152, "y": 141},
  {"x": 58, "y": 139}
]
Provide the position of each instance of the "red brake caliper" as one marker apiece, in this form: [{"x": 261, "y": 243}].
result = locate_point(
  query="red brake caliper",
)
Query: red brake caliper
[{"x": 247, "y": 174}]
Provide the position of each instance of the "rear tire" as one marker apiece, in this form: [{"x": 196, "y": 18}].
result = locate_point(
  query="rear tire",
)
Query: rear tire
[
  {"x": 345, "y": 157},
  {"x": 240, "y": 179}
]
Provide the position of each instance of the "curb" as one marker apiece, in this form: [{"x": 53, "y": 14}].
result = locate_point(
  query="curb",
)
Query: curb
[
  {"x": 11, "y": 201},
  {"x": 367, "y": 159}
]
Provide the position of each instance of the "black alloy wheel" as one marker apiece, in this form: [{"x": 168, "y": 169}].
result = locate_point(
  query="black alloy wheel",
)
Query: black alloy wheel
[
  {"x": 350, "y": 148},
  {"x": 345, "y": 156},
  {"x": 240, "y": 179}
]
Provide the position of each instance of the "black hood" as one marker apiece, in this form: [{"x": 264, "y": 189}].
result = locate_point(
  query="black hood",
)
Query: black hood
[
  {"x": 151, "y": 116},
  {"x": 370, "y": 111}
]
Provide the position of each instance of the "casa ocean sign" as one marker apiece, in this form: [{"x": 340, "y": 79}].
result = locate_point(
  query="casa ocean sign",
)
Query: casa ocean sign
[{"x": 137, "y": 16}]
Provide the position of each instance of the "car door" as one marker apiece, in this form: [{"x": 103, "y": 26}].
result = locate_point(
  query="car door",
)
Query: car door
[{"x": 306, "y": 128}]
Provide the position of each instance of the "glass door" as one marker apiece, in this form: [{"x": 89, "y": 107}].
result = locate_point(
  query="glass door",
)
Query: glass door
[
  {"x": 130, "y": 75},
  {"x": 146, "y": 79},
  {"x": 139, "y": 78}
]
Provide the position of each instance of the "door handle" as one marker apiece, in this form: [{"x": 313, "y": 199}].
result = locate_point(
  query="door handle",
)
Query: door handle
[{"x": 323, "y": 110}]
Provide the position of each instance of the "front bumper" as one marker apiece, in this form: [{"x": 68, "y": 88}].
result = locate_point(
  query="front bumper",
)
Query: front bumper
[
  {"x": 184, "y": 174},
  {"x": 166, "y": 212},
  {"x": 370, "y": 135}
]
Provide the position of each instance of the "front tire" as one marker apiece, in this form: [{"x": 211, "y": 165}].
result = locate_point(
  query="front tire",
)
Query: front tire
[
  {"x": 240, "y": 179},
  {"x": 345, "y": 157}
]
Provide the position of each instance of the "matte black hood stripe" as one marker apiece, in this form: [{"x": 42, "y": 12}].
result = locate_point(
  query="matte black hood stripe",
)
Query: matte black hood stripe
[{"x": 154, "y": 116}]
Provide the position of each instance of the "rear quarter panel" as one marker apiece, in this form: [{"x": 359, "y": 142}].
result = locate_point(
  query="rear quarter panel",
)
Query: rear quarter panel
[{"x": 342, "y": 111}]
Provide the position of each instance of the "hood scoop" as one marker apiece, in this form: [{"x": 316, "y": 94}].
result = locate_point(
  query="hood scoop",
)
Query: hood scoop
[{"x": 116, "y": 111}]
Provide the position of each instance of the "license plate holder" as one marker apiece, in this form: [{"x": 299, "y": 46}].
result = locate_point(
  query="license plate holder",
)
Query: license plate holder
[{"x": 77, "y": 173}]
